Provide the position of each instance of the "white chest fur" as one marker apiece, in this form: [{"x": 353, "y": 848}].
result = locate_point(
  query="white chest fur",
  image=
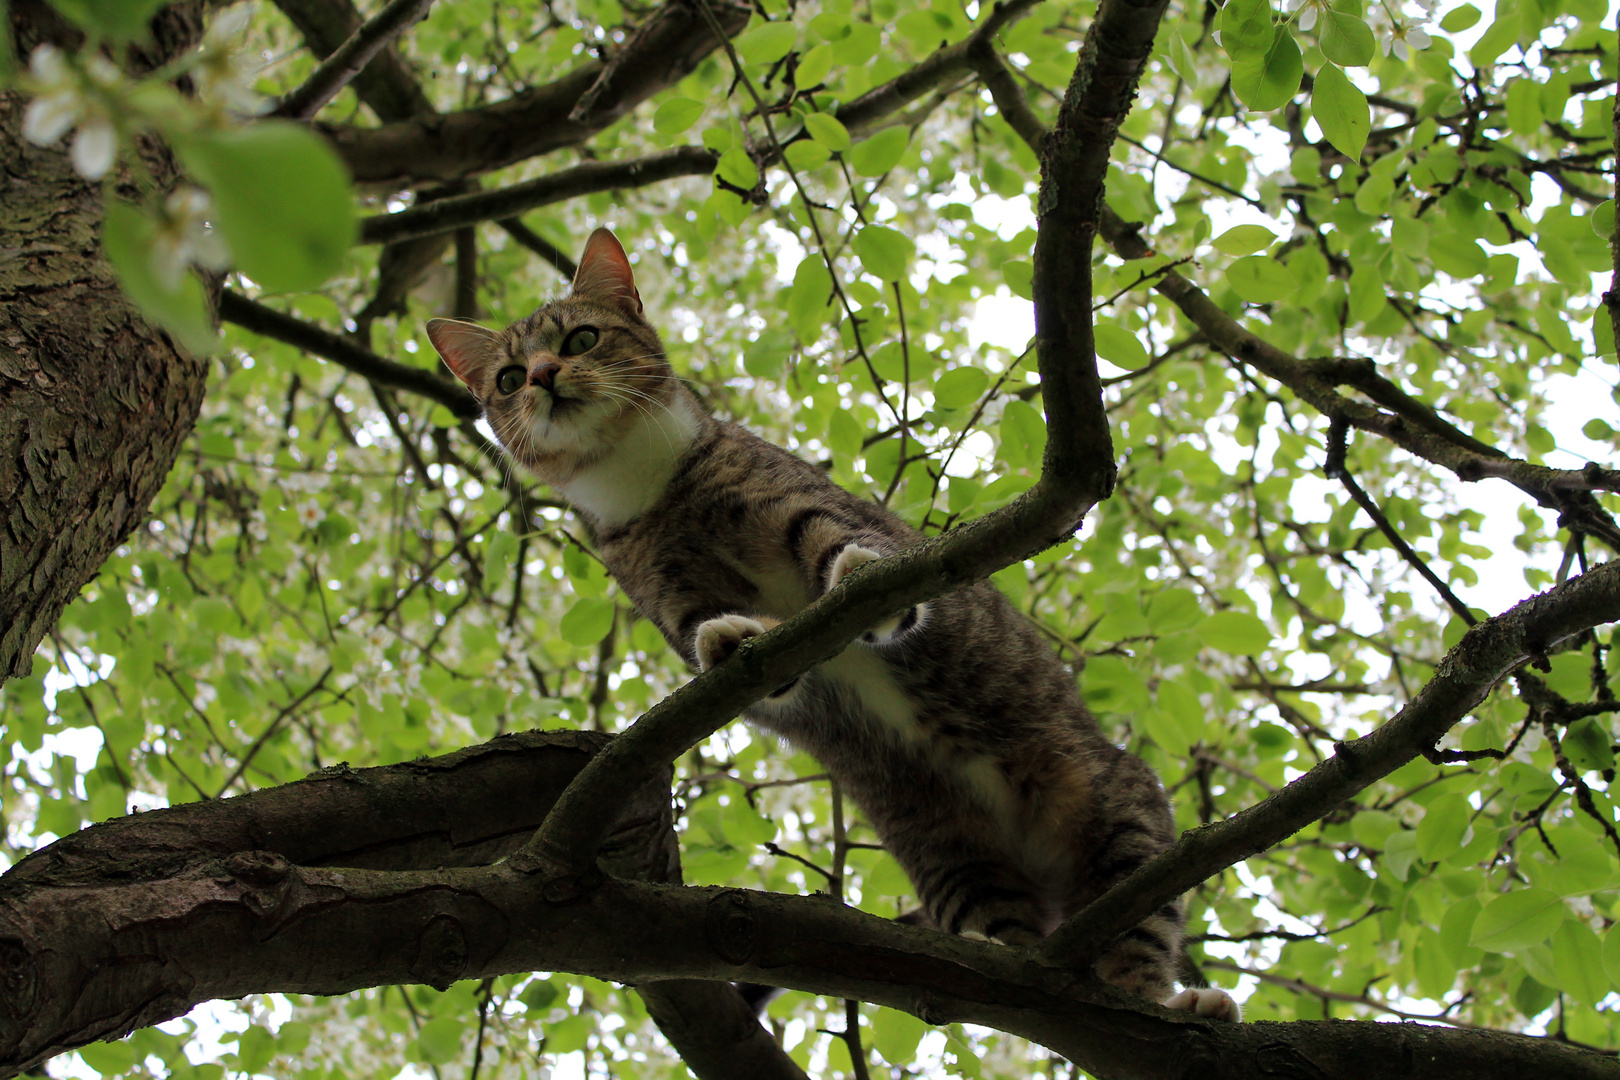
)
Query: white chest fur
[{"x": 623, "y": 483}]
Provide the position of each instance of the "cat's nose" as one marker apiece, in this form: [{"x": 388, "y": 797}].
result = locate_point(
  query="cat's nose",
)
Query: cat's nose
[{"x": 544, "y": 374}]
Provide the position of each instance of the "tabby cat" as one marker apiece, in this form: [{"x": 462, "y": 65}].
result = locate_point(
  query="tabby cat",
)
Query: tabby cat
[{"x": 953, "y": 725}]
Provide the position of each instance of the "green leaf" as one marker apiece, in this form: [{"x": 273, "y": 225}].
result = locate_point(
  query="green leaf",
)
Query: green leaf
[
  {"x": 1435, "y": 971},
  {"x": 804, "y": 155},
  {"x": 1442, "y": 828},
  {"x": 120, "y": 20},
  {"x": 1456, "y": 926},
  {"x": 1596, "y": 430},
  {"x": 109, "y": 1058},
  {"x": 1020, "y": 277},
  {"x": 440, "y": 1040},
  {"x": 1119, "y": 346},
  {"x": 1603, "y": 218},
  {"x": 254, "y": 1049},
  {"x": 1181, "y": 58},
  {"x": 1270, "y": 79},
  {"x": 1518, "y": 920},
  {"x": 1244, "y": 240},
  {"x": 1260, "y": 280},
  {"x": 1345, "y": 38},
  {"x": 767, "y": 355},
  {"x": 895, "y": 1035},
  {"x": 1341, "y": 111},
  {"x": 880, "y": 153},
  {"x": 1524, "y": 106},
  {"x": 281, "y": 200},
  {"x": 736, "y": 168},
  {"x": 1457, "y": 255},
  {"x": 810, "y": 299},
  {"x": 766, "y": 43},
  {"x": 960, "y": 387},
  {"x": 884, "y": 252},
  {"x": 1502, "y": 36},
  {"x": 128, "y": 238},
  {"x": 1246, "y": 28},
  {"x": 1578, "y": 961},
  {"x": 1236, "y": 632},
  {"x": 676, "y": 115},
  {"x": 826, "y": 130},
  {"x": 588, "y": 621},
  {"x": 1589, "y": 745},
  {"x": 813, "y": 67},
  {"x": 1373, "y": 828},
  {"x": 538, "y": 995},
  {"x": 1611, "y": 953},
  {"x": 1460, "y": 18}
]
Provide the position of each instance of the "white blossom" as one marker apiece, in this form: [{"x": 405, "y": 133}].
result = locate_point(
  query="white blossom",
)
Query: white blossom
[
  {"x": 184, "y": 237},
  {"x": 95, "y": 148},
  {"x": 49, "y": 117}
]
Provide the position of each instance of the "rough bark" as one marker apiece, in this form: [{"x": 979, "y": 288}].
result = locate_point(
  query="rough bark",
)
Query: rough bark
[
  {"x": 135, "y": 920},
  {"x": 94, "y": 403},
  {"x": 465, "y": 809}
]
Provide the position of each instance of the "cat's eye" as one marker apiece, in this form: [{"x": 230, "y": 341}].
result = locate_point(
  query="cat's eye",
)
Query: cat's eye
[
  {"x": 511, "y": 380},
  {"x": 581, "y": 340}
]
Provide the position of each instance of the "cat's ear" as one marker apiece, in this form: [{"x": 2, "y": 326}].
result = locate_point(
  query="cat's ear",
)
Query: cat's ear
[
  {"x": 604, "y": 273},
  {"x": 466, "y": 347}
]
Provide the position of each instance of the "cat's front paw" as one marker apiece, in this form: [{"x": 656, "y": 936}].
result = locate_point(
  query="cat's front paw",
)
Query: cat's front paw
[
  {"x": 718, "y": 638},
  {"x": 852, "y": 558},
  {"x": 1207, "y": 1001}
]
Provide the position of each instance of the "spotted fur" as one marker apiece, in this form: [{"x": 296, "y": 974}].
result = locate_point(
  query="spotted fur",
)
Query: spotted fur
[{"x": 953, "y": 726}]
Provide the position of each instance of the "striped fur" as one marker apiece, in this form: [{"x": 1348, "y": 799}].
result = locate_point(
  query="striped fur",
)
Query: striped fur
[{"x": 953, "y": 727}]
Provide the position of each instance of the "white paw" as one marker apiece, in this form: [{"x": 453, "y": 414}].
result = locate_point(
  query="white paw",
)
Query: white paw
[
  {"x": 719, "y": 638},
  {"x": 852, "y": 558},
  {"x": 1206, "y": 1001}
]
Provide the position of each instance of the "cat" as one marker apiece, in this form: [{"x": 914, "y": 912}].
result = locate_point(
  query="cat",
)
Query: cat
[{"x": 952, "y": 725}]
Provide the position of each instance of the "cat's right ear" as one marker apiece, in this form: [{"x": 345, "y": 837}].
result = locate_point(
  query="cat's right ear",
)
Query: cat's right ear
[
  {"x": 604, "y": 273},
  {"x": 466, "y": 347}
]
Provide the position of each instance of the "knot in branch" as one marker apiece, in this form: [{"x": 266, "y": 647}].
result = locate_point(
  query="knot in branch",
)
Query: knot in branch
[{"x": 730, "y": 927}]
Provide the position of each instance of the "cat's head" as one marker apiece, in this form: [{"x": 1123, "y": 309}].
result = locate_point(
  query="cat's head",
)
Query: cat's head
[{"x": 563, "y": 385}]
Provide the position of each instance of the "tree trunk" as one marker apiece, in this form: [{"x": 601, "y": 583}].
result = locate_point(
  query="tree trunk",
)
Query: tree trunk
[{"x": 94, "y": 402}]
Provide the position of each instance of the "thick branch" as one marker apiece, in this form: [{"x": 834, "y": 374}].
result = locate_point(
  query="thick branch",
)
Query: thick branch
[
  {"x": 1485, "y": 655},
  {"x": 351, "y": 58},
  {"x": 108, "y": 955},
  {"x": 254, "y": 316},
  {"x": 1074, "y": 162},
  {"x": 455, "y": 145},
  {"x": 463, "y": 809}
]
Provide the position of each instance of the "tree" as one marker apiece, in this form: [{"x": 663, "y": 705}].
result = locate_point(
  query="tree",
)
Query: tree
[{"x": 1397, "y": 800}]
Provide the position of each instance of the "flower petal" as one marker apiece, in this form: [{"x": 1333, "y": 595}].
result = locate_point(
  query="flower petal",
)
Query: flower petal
[
  {"x": 49, "y": 117},
  {"x": 94, "y": 149},
  {"x": 47, "y": 65}
]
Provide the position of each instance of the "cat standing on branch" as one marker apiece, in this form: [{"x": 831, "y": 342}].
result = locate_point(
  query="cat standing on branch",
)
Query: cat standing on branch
[{"x": 952, "y": 724}]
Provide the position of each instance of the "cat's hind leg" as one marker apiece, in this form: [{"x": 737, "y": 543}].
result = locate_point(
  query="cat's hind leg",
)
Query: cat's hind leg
[{"x": 853, "y": 557}]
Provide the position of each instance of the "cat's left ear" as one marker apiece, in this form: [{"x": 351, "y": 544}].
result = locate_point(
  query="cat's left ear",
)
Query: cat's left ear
[
  {"x": 465, "y": 346},
  {"x": 604, "y": 273}
]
